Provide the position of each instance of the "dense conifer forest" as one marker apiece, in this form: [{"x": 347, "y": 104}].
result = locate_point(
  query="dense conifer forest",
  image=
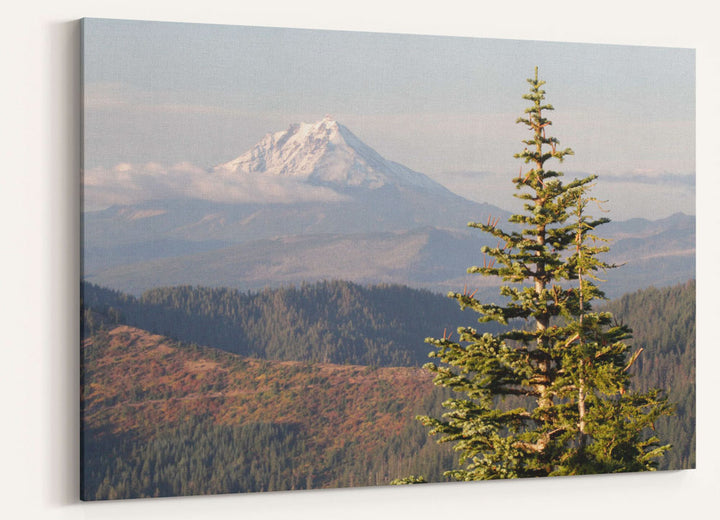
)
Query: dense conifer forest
[
  {"x": 307, "y": 387},
  {"x": 663, "y": 324}
]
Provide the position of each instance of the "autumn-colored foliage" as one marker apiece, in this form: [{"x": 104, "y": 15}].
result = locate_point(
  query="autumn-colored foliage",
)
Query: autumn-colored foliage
[{"x": 350, "y": 420}]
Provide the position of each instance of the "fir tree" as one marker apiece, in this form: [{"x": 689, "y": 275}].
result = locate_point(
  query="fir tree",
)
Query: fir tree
[{"x": 550, "y": 394}]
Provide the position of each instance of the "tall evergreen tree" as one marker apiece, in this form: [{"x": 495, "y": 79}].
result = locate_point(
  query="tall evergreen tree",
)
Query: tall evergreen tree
[{"x": 550, "y": 395}]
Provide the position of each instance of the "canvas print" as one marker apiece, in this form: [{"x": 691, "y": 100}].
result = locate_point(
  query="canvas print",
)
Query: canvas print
[{"x": 320, "y": 259}]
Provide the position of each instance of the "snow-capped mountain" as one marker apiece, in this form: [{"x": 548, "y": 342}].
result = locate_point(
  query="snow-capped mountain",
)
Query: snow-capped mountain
[{"x": 325, "y": 153}]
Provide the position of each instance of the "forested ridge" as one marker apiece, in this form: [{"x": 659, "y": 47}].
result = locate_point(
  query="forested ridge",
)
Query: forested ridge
[
  {"x": 164, "y": 417},
  {"x": 330, "y": 322}
]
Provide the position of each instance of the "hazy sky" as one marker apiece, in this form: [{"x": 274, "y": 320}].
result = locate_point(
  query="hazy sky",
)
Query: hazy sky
[{"x": 169, "y": 93}]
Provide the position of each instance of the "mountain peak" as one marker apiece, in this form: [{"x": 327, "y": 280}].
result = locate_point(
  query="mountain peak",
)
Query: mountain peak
[
  {"x": 317, "y": 130},
  {"x": 324, "y": 153}
]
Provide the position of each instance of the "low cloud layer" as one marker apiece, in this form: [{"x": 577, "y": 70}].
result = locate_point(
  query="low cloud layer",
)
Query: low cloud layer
[
  {"x": 635, "y": 176},
  {"x": 130, "y": 184},
  {"x": 642, "y": 177},
  {"x": 640, "y": 193}
]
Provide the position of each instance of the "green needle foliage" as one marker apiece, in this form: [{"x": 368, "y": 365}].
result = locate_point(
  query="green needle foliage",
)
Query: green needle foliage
[{"x": 551, "y": 394}]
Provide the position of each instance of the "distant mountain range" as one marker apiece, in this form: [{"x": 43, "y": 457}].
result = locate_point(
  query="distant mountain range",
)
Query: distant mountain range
[{"x": 385, "y": 223}]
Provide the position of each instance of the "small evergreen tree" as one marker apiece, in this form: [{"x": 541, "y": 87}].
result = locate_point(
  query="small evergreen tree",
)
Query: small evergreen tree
[{"x": 550, "y": 395}]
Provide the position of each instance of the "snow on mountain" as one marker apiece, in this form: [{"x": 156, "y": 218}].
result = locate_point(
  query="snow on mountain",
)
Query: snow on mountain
[{"x": 325, "y": 153}]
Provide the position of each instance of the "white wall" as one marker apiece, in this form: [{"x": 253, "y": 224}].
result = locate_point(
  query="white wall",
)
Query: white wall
[{"x": 38, "y": 186}]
